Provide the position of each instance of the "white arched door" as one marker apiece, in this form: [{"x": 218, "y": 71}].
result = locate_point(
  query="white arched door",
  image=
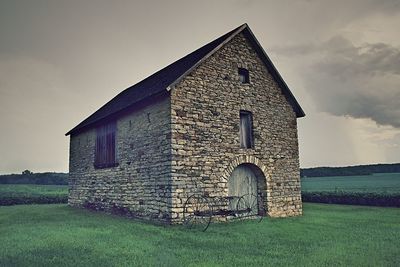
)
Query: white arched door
[{"x": 242, "y": 182}]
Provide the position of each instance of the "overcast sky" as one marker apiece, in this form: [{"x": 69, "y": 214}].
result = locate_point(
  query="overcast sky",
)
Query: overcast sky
[{"x": 61, "y": 60}]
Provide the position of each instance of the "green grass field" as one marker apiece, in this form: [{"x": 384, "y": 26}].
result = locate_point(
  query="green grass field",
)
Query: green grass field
[
  {"x": 32, "y": 190},
  {"x": 376, "y": 183},
  {"x": 327, "y": 235}
]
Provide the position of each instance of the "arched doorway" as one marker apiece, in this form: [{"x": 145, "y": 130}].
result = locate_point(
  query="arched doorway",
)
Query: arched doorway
[{"x": 248, "y": 181}]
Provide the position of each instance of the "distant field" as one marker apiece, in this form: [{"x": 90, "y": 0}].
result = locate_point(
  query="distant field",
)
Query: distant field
[
  {"x": 12, "y": 194},
  {"x": 376, "y": 183},
  {"x": 32, "y": 190},
  {"x": 387, "y": 185}
]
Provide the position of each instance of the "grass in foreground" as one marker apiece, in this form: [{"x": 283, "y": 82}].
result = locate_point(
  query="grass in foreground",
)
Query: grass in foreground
[
  {"x": 327, "y": 235},
  {"x": 376, "y": 183}
]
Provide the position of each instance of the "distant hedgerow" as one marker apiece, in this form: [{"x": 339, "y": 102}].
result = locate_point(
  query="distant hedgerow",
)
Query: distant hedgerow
[
  {"x": 15, "y": 200},
  {"x": 353, "y": 198}
]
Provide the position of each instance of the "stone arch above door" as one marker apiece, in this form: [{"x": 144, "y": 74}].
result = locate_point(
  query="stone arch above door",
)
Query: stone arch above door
[{"x": 242, "y": 160}]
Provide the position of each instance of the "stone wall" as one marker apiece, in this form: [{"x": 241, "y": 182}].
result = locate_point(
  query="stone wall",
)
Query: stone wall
[
  {"x": 188, "y": 143},
  {"x": 205, "y": 109},
  {"x": 140, "y": 184}
]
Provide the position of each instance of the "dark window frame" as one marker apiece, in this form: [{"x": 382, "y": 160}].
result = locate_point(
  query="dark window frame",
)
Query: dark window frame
[
  {"x": 246, "y": 136},
  {"x": 244, "y": 75},
  {"x": 105, "y": 146}
]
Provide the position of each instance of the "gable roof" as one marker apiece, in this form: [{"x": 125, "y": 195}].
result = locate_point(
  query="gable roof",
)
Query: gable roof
[{"x": 166, "y": 78}]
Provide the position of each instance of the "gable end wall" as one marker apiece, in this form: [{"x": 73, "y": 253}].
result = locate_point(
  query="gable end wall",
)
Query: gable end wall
[{"x": 205, "y": 109}]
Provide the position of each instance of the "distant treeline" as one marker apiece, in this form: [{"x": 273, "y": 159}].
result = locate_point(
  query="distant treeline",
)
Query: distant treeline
[
  {"x": 350, "y": 170},
  {"x": 50, "y": 178}
]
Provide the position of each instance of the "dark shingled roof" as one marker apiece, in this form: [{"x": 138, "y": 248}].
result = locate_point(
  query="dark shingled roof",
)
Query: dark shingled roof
[{"x": 167, "y": 77}]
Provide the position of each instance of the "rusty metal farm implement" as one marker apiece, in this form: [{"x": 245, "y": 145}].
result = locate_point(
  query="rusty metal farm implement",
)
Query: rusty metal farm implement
[{"x": 200, "y": 210}]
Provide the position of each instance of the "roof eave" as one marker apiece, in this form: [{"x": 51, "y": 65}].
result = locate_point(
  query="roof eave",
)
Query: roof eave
[{"x": 78, "y": 128}]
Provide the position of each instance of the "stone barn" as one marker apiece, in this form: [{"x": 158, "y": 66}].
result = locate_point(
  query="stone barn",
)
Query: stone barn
[{"x": 218, "y": 122}]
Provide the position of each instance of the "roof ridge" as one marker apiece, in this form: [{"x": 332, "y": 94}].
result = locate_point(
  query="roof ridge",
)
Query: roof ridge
[
  {"x": 166, "y": 78},
  {"x": 145, "y": 88}
]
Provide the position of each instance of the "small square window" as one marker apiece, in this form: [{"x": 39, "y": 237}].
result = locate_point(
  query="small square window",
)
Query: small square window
[{"x": 244, "y": 75}]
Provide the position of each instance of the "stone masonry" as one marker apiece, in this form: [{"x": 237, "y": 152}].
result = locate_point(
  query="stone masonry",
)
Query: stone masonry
[
  {"x": 205, "y": 110},
  {"x": 187, "y": 141},
  {"x": 140, "y": 184}
]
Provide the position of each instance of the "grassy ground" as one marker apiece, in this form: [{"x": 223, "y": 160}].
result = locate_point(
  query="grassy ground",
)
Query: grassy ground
[
  {"x": 32, "y": 190},
  {"x": 327, "y": 235},
  {"x": 376, "y": 183}
]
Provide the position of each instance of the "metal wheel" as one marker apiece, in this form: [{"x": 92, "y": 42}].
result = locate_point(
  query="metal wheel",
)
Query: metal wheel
[
  {"x": 247, "y": 206},
  {"x": 197, "y": 212}
]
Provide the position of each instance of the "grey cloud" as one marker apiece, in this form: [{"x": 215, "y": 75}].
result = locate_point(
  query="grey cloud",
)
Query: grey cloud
[
  {"x": 385, "y": 7},
  {"x": 348, "y": 80},
  {"x": 341, "y": 56}
]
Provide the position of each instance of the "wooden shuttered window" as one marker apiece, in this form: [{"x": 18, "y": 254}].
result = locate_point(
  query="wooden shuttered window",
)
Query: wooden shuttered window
[
  {"x": 105, "y": 154},
  {"x": 246, "y": 129}
]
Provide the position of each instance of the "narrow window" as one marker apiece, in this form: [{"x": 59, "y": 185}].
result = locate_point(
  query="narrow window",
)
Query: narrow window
[
  {"x": 243, "y": 75},
  {"x": 105, "y": 146},
  {"x": 246, "y": 129}
]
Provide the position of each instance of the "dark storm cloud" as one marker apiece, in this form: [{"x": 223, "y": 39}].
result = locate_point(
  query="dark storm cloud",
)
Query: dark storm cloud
[{"x": 360, "y": 81}]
